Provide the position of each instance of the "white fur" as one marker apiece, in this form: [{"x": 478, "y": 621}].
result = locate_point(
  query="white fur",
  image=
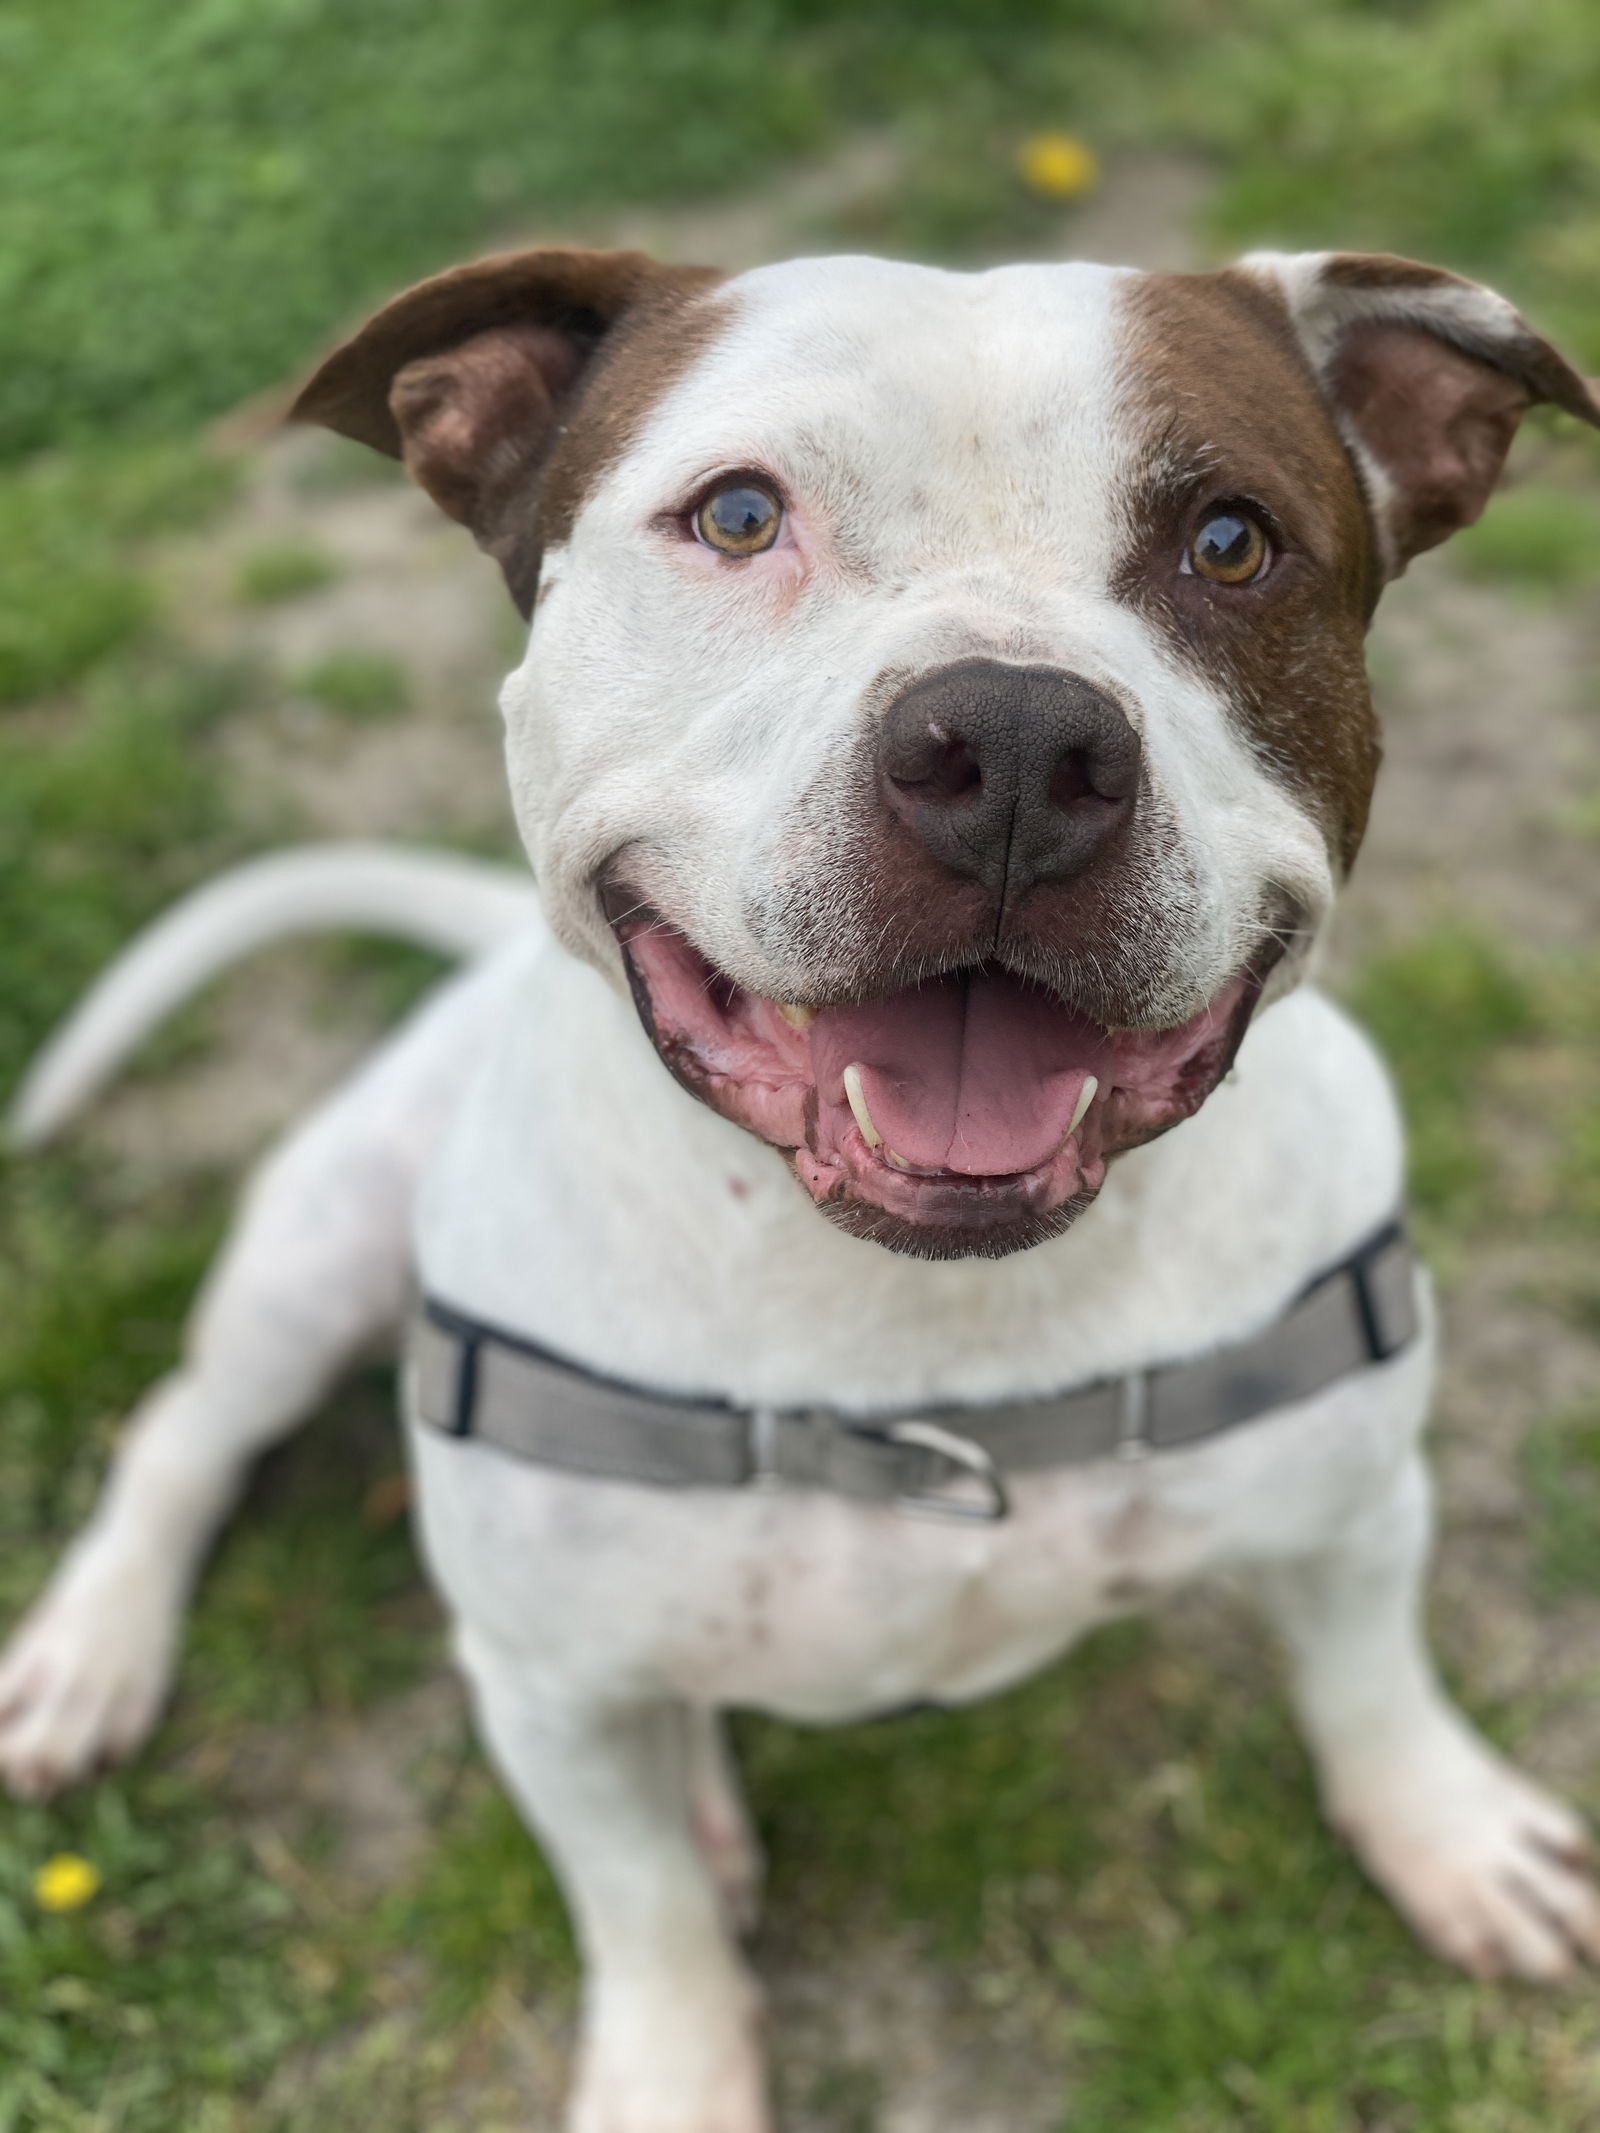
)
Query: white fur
[{"x": 959, "y": 447}]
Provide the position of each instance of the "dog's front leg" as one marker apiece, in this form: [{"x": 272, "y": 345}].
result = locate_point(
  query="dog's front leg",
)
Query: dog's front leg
[
  {"x": 1490, "y": 1871},
  {"x": 670, "y": 2039},
  {"x": 316, "y": 1268}
]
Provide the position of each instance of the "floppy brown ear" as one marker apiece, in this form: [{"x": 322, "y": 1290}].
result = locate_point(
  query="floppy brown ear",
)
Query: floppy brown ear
[
  {"x": 1428, "y": 375},
  {"x": 472, "y": 379}
]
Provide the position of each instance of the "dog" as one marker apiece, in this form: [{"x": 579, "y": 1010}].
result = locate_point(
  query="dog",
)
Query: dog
[{"x": 890, "y": 1198}]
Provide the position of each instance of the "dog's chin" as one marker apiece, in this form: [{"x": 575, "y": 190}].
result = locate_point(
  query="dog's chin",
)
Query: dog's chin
[
  {"x": 969, "y": 1116},
  {"x": 975, "y": 1219}
]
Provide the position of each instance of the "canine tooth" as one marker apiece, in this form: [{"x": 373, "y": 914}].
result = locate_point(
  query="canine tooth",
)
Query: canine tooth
[
  {"x": 1091, "y": 1090},
  {"x": 898, "y": 1161},
  {"x": 856, "y": 1097},
  {"x": 796, "y": 1017}
]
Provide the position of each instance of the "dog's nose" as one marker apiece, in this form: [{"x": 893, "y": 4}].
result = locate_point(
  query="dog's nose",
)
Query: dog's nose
[{"x": 1009, "y": 774}]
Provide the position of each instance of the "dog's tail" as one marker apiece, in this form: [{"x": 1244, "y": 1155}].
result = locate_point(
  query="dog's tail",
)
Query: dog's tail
[{"x": 461, "y": 907}]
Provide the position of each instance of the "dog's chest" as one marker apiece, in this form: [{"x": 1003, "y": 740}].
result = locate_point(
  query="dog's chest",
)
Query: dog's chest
[
  {"x": 799, "y": 1603},
  {"x": 827, "y": 1622}
]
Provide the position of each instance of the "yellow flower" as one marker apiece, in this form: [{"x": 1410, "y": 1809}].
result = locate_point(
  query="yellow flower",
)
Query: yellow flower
[
  {"x": 66, "y": 1883},
  {"x": 1058, "y": 165}
]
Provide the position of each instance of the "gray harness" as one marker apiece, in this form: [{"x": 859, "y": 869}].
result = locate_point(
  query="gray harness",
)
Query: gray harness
[{"x": 475, "y": 1380}]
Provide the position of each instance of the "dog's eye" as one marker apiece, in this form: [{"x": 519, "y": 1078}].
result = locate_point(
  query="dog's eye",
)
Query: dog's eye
[
  {"x": 741, "y": 519},
  {"x": 1229, "y": 548}
]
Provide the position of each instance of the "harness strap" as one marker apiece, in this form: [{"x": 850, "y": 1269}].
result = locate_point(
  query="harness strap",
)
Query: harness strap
[{"x": 475, "y": 1380}]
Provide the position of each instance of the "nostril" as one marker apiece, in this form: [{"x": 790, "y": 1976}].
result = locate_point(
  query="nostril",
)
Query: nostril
[
  {"x": 940, "y": 766},
  {"x": 1083, "y": 775},
  {"x": 1070, "y": 780}
]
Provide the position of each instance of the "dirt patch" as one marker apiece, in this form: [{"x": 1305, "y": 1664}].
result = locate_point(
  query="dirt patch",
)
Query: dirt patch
[
  {"x": 365, "y": 1783},
  {"x": 1486, "y": 744}
]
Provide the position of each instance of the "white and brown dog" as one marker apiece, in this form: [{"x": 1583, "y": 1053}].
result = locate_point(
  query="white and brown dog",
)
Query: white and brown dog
[{"x": 942, "y": 733}]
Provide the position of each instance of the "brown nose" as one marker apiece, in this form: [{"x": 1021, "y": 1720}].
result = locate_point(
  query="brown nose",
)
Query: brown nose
[{"x": 1011, "y": 775}]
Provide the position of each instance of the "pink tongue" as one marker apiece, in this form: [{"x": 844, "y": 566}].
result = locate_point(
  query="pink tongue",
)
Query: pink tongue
[{"x": 978, "y": 1073}]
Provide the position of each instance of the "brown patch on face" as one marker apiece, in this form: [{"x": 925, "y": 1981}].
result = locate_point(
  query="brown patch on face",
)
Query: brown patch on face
[
  {"x": 645, "y": 355},
  {"x": 1231, "y": 413},
  {"x": 484, "y": 380}
]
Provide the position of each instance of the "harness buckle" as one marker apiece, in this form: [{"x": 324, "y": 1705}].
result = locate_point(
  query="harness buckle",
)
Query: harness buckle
[{"x": 970, "y": 1461}]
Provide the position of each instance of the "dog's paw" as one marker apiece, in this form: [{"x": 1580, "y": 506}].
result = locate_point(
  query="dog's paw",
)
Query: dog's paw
[
  {"x": 664, "y": 2067},
  {"x": 634, "y": 2103},
  {"x": 1490, "y": 1871},
  {"x": 85, "y": 1676}
]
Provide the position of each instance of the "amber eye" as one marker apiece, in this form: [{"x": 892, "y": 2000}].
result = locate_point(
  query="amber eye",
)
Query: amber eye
[
  {"x": 1229, "y": 548},
  {"x": 741, "y": 519}
]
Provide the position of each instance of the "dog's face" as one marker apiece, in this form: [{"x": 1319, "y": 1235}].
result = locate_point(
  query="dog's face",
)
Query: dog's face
[{"x": 945, "y": 696}]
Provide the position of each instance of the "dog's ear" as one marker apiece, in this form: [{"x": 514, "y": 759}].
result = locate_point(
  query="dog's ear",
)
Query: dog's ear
[
  {"x": 1428, "y": 376},
  {"x": 472, "y": 379}
]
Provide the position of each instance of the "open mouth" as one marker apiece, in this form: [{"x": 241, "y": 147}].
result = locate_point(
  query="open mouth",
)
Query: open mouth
[{"x": 972, "y": 1113}]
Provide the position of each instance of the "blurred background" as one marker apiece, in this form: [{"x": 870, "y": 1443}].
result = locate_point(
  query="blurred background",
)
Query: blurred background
[{"x": 1104, "y": 1901}]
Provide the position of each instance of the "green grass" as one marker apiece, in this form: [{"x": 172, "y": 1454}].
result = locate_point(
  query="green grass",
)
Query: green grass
[
  {"x": 1544, "y": 538},
  {"x": 315, "y": 1604},
  {"x": 1442, "y": 1008},
  {"x": 487, "y": 1909},
  {"x": 1473, "y": 1033},
  {"x": 1474, "y": 1039},
  {"x": 175, "y": 1990},
  {"x": 178, "y": 1992},
  {"x": 1463, "y": 131},
  {"x": 107, "y": 808},
  {"x": 381, "y": 981},
  {"x": 200, "y": 194},
  {"x": 338, "y": 465},
  {"x": 71, "y": 530},
  {"x": 97, "y": 1273},
  {"x": 1133, "y": 1839},
  {"x": 845, "y": 2098},
  {"x": 358, "y": 685},
  {"x": 1562, "y": 1467},
  {"x": 285, "y": 571}
]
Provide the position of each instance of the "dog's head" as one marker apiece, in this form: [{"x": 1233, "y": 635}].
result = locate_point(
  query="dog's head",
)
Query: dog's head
[{"x": 945, "y": 697}]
